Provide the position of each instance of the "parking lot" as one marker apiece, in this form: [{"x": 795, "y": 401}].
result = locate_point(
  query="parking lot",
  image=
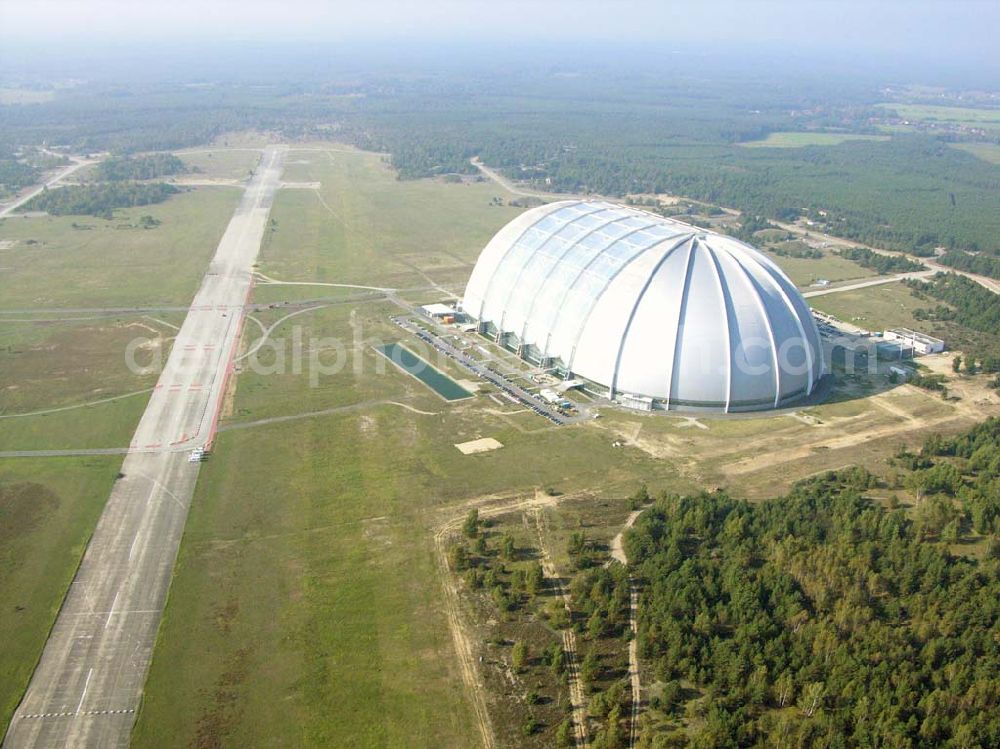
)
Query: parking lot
[{"x": 514, "y": 392}]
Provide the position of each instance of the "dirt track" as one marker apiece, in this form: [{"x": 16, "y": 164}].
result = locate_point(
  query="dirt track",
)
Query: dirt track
[
  {"x": 488, "y": 506},
  {"x": 578, "y": 697}
]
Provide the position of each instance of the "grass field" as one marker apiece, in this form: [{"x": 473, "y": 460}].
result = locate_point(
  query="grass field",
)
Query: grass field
[
  {"x": 888, "y": 305},
  {"x": 47, "y": 263},
  {"x": 278, "y": 294},
  {"x": 986, "y": 151},
  {"x": 833, "y": 267},
  {"x": 51, "y": 365},
  {"x": 221, "y": 163},
  {"x": 103, "y": 425},
  {"x": 799, "y": 139},
  {"x": 9, "y": 95},
  {"x": 366, "y": 227},
  {"x": 946, "y": 114},
  {"x": 48, "y": 509}
]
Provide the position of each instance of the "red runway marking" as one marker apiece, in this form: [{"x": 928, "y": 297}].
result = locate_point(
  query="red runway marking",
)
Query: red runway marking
[{"x": 231, "y": 360}]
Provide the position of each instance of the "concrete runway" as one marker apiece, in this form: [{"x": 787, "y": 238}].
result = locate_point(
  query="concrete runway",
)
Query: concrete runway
[{"x": 88, "y": 683}]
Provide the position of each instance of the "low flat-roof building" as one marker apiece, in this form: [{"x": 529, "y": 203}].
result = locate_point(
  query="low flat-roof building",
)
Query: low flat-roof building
[
  {"x": 919, "y": 342},
  {"x": 438, "y": 310}
]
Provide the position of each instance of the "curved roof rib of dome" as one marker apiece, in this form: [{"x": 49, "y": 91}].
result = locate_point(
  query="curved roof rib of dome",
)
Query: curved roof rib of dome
[{"x": 647, "y": 305}]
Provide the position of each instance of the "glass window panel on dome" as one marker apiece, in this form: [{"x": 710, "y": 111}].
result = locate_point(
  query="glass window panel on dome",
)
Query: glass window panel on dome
[
  {"x": 533, "y": 276},
  {"x": 614, "y": 232},
  {"x": 509, "y": 269},
  {"x": 606, "y": 265},
  {"x": 589, "y": 246},
  {"x": 553, "y": 273},
  {"x": 584, "y": 291},
  {"x": 624, "y": 252},
  {"x": 567, "y": 326},
  {"x": 511, "y": 264},
  {"x": 599, "y": 241},
  {"x": 609, "y": 262},
  {"x": 550, "y": 253},
  {"x": 551, "y": 297},
  {"x": 589, "y": 221}
]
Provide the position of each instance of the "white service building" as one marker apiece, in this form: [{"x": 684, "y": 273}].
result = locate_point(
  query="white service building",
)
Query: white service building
[{"x": 920, "y": 343}]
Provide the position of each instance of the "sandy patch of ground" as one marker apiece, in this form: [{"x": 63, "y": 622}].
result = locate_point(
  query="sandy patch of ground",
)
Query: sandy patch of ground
[{"x": 482, "y": 445}]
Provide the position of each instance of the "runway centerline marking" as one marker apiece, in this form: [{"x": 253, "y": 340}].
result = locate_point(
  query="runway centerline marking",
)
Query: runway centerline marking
[
  {"x": 86, "y": 686},
  {"x": 112, "y": 611}
]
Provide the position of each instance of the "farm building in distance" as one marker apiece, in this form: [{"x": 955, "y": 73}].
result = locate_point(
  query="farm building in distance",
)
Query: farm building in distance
[
  {"x": 918, "y": 342},
  {"x": 649, "y": 311}
]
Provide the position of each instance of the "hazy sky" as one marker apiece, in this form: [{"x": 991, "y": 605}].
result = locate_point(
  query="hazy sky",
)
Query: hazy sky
[{"x": 966, "y": 30}]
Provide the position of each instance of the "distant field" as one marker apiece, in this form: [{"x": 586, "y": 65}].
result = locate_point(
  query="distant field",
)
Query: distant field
[
  {"x": 48, "y": 509},
  {"x": 887, "y": 305},
  {"x": 799, "y": 139},
  {"x": 986, "y": 151},
  {"x": 366, "y": 227},
  {"x": 987, "y": 119},
  {"x": 24, "y": 96},
  {"x": 48, "y": 263},
  {"x": 945, "y": 114},
  {"x": 803, "y": 271},
  {"x": 221, "y": 163}
]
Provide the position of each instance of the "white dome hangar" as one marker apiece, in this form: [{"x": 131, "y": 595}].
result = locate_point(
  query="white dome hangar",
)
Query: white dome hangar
[{"x": 640, "y": 305}]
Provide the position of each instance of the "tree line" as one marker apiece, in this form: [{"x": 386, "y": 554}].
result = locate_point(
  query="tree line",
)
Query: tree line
[
  {"x": 15, "y": 175},
  {"x": 150, "y": 166},
  {"x": 822, "y": 618},
  {"x": 99, "y": 199},
  {"x": 664, "y": 132},
  {"x": 881, "y": 264},
  {"x": 983, "y": 264}
]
